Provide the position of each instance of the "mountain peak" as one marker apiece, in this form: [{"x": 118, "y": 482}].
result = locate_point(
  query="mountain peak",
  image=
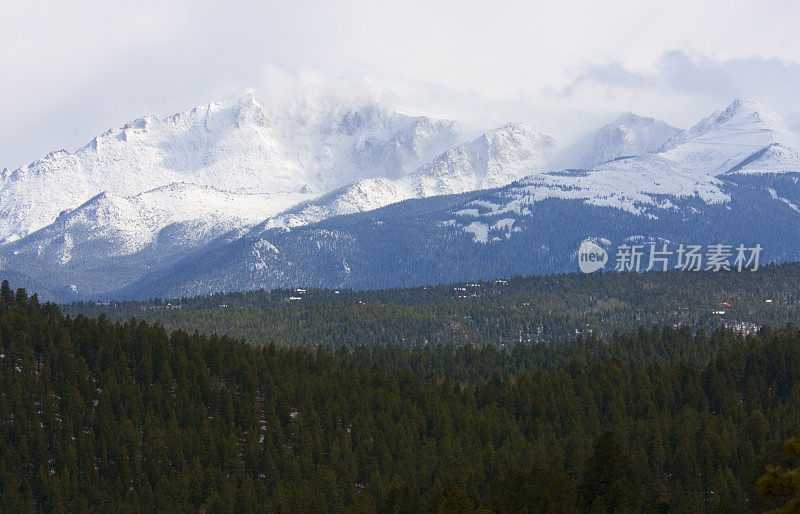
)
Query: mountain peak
[
  {"x": 244, "y": 100},
  {"x": 629, "y": 135},
  {"x": 518, "y": 134},
  {"x": 234, "y": 145},
  {"x": 739, "y": 103},
  {"x": 745, "y": 111},
  {"x": 722, "y": 141},
  {"x": 631, "y": 117},
  {"x": 516, "y": 126}
]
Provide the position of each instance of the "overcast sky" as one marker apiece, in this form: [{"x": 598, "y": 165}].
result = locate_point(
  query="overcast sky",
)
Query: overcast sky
[{"x": 69, "y": 70}]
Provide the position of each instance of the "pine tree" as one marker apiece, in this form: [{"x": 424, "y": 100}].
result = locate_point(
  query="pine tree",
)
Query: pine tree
[
  {"x": 605, "y": 486},
  {"x": 783, "y": 485}
]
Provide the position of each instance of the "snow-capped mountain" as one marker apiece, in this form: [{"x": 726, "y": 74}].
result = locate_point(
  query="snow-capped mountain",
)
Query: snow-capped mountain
[
  {"x": 148, "y": 194},
  {"x": 225, "y": 145},
  {"x": 234, "y": 146},
  {"x": 726, "y": 139},
  {"x": 495, "y": 158},
  {"x": 627, "y": 136},
  {"x": 533, "y": 226},
  {"x": 234, "y": 195}
]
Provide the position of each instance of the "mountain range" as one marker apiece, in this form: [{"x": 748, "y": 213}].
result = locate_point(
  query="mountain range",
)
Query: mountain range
[{"x": 232, "y": 195}]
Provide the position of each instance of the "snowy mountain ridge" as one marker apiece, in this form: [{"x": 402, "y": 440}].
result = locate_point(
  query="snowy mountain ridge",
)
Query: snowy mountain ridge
[
  {"x": 641, "y": 186},
  {"x": 723, "y": 140},
  {"x": 495, "y": 158},
  {"x": 141, "y": 199},
  {"x": 232, "y": 146}
]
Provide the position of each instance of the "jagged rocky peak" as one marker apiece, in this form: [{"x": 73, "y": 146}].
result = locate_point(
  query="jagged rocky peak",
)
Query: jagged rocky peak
[{"x": 520, "y": 135}]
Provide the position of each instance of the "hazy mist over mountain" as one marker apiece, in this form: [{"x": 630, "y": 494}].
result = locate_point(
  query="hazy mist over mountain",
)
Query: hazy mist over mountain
[{"x": 73, "y": 71}]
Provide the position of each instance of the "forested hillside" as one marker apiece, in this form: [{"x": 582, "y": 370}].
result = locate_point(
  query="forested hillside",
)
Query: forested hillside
[
  {"x": 500, "y": 312},
  {"x": 128, "y": 417}
]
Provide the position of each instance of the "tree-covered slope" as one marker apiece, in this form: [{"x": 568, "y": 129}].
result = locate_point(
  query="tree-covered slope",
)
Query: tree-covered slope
[
  {"x": 499, "y": 312},
  {"x": 126, "y": 417}
]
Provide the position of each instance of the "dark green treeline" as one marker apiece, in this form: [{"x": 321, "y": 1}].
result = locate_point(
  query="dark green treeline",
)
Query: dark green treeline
[{"x": 126, "y": 417}]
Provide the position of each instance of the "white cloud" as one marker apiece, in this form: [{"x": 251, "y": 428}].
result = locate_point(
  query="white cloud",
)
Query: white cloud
[
  {"x": 71, "y": 70},
  {"x": 682, "y": 85}
]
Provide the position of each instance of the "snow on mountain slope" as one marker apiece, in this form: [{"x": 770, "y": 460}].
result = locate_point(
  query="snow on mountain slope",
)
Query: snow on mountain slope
[
  {"x": 141, "y": 201},
  {"x": 224, "y": 145},
  {"x": 335, "y": 144},
  {"x": 775, "y": 158},
  {"x": 235, "y": 146},
  {"x": 725, "y": 139},
  {"x": 166, "y": 220},
  {"x": 494, "y": 159},
  {"x": 639, "y": 185},
  {"x": 360, "y": 196},
  {"x": 532, "y": 226}
]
